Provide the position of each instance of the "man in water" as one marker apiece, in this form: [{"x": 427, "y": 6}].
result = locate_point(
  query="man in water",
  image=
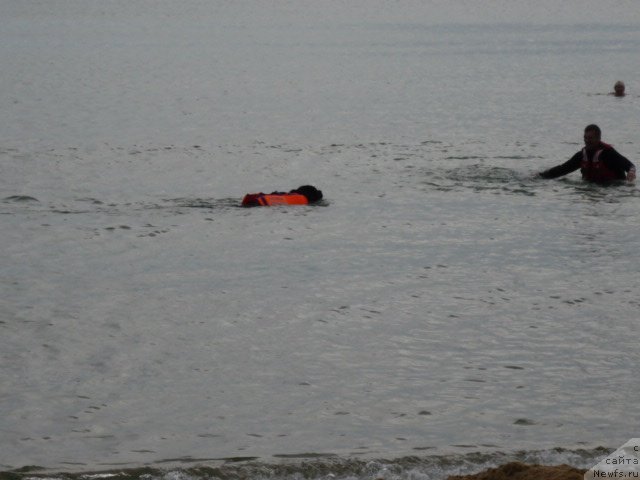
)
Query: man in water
[
  {"x": 618, "y": 89},
  {"x": 598, "y": 162}
]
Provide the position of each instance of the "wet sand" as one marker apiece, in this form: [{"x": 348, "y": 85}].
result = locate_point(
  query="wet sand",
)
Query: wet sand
[{"x": 523, "y": 471}]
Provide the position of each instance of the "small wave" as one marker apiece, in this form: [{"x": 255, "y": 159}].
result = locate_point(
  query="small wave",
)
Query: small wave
[
  {"x": 478, "y": 178},
  {"x": 323, "y": 467},
  {"x": 483, "y": 173},
  {"x": 20, "y": 198},
  {"x": 615, "y": 192},
  {"x": 207, "y": 203}
]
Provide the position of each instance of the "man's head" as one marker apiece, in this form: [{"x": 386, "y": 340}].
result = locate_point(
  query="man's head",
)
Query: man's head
[
  {"x": 618, "y": 89},
  {"x": 592, "y": 135}
]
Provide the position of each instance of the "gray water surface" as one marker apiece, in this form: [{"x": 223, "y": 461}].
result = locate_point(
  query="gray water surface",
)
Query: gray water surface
[{"x": 441, "y": 300}]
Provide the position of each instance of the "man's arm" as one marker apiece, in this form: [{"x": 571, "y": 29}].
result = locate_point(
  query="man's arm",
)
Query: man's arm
[{"x": 569, "y": 166}]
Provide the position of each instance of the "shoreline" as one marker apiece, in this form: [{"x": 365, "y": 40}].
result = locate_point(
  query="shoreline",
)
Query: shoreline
[
  {"x": 511, "y": 467},
  {"x": 524, "y": 471},
  {"x": 508, "y": 471}
]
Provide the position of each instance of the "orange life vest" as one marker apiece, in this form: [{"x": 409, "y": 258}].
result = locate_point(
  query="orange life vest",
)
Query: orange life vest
[{"x": 275, "y": 198}]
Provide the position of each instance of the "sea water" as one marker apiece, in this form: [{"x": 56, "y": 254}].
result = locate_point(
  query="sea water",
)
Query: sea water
[{"x": 440, "y": 311}]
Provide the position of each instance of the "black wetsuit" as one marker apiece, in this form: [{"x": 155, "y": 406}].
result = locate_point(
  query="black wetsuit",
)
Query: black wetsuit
[{"x": 613, "y": 166}]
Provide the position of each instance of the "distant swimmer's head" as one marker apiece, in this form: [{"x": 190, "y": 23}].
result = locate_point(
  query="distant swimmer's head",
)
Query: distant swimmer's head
[
  {"x": 309, "y": 191},
  {"x": 592, "y": 136},
  {"x": 618, "y": 89}
]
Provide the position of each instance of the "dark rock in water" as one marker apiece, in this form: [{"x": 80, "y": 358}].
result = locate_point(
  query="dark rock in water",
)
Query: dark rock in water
[
  {"x": 20, "y": 198},
  {"x": 522, "y": 471}
]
